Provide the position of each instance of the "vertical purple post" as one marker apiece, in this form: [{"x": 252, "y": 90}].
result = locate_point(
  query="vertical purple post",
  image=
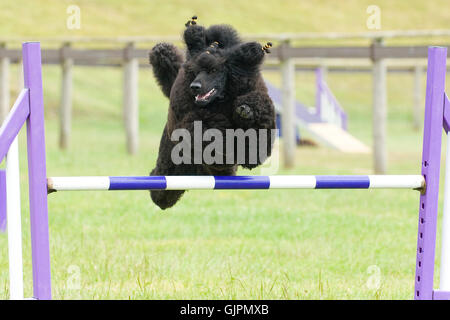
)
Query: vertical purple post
[
  {"x": 2, "y": 200},
  {"x": 431, "y": 158},
  {"x": 37, "y": 174},
  {"x": 318, "y": 91},
  {"x": 344, "y": 121}
]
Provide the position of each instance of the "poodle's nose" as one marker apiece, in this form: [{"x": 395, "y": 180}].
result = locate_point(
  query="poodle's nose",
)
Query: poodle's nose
[{"x": 196, "y": 86}]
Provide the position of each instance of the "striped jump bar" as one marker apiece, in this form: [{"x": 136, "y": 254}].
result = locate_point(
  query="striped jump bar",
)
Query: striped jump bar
[{"x": 237, "y": 182}]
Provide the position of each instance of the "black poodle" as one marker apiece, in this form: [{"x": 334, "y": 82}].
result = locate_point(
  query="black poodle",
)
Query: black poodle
[{"x": 219, "y": 84}]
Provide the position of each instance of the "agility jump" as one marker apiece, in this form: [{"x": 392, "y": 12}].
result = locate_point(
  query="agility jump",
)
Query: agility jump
[{"x": 29, "y": 109}]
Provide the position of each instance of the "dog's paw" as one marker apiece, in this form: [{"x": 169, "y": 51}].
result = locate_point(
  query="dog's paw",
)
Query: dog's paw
[
  {"x": 164, "y": 54},
  {"x": 194, "y": 33},
  {"x": 245, "y": 112},
  {"x": 191, "y": 22},
  {"x": 249, "y": 54},
  {"x": 252, "y": 49}
]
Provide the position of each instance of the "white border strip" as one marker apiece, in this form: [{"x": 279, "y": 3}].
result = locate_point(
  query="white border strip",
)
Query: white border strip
[
  {"x": 14, "y": 223},
  {"x": 444, "y": 283}
]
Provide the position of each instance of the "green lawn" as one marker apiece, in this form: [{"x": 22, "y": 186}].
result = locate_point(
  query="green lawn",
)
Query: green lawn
[
  {"x": 47, "y": 18},
  {"x": 279, "y": 244}
]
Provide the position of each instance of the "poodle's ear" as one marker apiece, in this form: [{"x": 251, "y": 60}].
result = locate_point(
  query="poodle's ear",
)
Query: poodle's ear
[
  {"x": 194, "y": 37},
  {"x": 247, "y": 55}
]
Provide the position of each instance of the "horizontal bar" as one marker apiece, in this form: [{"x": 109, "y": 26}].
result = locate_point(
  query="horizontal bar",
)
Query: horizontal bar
[
  {"x": 14, "y": 122},
  {"x": 260, "y": 36},
  {"x": 117, "y": 55},
  {"x": 441, "y": 295},
  {"x": 237, "y": 182},
  {"x": 446, "y": 122},
  {"x": 322, "y": 52}
]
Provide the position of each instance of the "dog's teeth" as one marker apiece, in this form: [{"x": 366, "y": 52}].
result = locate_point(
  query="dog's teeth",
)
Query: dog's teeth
[{"x": 205, "y": 96}]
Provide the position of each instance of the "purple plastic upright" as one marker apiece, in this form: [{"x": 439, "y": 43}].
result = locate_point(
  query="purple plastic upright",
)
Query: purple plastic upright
[
  {"x": 322, "y": 88},
  {"x": 431, "y": 158},
  {"x": 319, "y": 76},
  {"x": 37, "y": 175},
  {"x": 2, "y": 200}
]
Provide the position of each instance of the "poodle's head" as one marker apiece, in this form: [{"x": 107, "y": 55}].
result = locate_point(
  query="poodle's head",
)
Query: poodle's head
[
  {"x": 207, "y": 76},
  {"x": 218, "y": 74}
]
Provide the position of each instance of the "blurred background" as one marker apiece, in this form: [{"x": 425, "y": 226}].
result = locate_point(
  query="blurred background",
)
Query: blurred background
[{"x": 356, "y": 71}]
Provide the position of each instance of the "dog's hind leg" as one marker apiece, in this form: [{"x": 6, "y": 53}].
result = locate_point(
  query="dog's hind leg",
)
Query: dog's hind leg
[
  {"x": 166, "y": 60},
  {"x": 165, "y": 166},
  {"x": 165, "y": 198}
]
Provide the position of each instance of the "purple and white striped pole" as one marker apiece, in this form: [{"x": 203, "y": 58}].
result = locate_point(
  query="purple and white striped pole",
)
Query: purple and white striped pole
[{"x": 236, "y": 182}]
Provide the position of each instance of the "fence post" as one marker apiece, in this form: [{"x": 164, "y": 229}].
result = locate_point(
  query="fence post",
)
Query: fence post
[
  {"x": 65, "y": 110},
  {"x": 288, "y": 103},
  {"x": 130, "y": 99},
  {"x": 4, "y": 86},
  {"x": 418, "y": 70},
  {"x": 379, "y": 110}
]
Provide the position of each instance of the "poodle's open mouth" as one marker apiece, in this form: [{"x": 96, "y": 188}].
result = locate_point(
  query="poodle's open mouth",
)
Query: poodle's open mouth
[{"x": 205, "y": 98}]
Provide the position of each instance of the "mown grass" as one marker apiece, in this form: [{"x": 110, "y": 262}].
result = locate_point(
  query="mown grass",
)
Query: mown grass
[
  {"x": 48, "y": 18},
  {"x": 280, "y": 244}
]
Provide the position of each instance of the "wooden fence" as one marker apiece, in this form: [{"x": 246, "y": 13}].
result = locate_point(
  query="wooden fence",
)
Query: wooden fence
[{"x": 284, "y": 56}]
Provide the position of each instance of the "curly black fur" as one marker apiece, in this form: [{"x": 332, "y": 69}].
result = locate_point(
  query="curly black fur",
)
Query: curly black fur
[
  {"x": 215, "y": 58},
  {"x": 166, "y": 61}
]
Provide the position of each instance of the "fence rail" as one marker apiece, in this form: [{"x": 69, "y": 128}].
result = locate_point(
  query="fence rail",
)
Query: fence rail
[
  {"x": 94, "y": 56},
  {"x": 369, "y": 35}
]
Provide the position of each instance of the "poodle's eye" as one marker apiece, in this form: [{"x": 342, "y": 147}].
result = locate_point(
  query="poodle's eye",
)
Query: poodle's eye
[{"x": 213, "y": 70}]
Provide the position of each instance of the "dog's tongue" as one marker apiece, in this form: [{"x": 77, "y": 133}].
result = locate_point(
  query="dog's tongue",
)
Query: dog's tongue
[{"x": 204, "y": 96}]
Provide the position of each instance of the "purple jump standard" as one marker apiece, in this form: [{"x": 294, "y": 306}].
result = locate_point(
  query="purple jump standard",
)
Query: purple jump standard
[
  {"x": 29, "y": 108},
  {"x": 2, "y": 200},
  {"x": 37, "y": 174},
  {"x": 431, "y": 164}
]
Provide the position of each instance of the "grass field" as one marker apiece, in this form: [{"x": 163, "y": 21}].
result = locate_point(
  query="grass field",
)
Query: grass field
[
  {"x": 281, "y": 244},
  {"x": 156, "y": 17}
]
